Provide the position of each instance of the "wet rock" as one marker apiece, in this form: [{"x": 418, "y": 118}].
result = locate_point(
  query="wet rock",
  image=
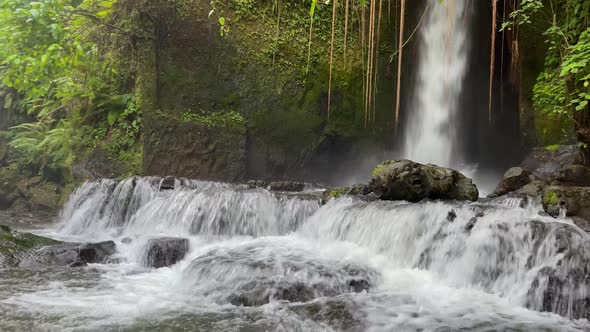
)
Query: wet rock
[
  {"x": 56, "y": 255},
  {"x": 514, "y": 179},
  {"x": 126, "y": 240},
  {"x": 584, "y": 224},
  {"x": 575, "y": 175},
  {"x": 287, "y": 186},
  {"x": 546, "y": 164},
  {"x": 165, "y": 251},
  {"x": 257, "y": 184},
  {"x": 337, "y": 312},
  {"x": 66, "y": 254},
  {"x": 78, "y": 264},
  {"x": 411, "y": 181},
  {"x": 575, "y": 201},
  {"x": 254, "y": 276},
  {"x": 451, "y": 216},
  {"x": 561, "y": 287},
  {"x": 533, "y": 189},
  {"x": 168, "y": 183},
  {"x": 96, "y": 252},
  {"x": 356, "y": 190},
  {"x": 16, "y": 247},
  {"x": 471, "y": 223}
]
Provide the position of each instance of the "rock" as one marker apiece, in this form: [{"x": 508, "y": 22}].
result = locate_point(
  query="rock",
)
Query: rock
[
  {"x": 574, "y": 200},
  {"x": 411, "y": 181},
  {"x": 126, "y": 240},
  {"x": 287, "y": 186},
  {"x": 71, "y": 254},
  {"x": 96, "y": 252},
  {"x": 165, "y": 251},
  {"x": 561, "y": 287},
  {"x": 356, "y": 190},
  {"x": 16, "y": 247},
  {"x": 514, "y": 179},
  {"x": 78, "y": 264},
  {"x": 546, "y": 164},
  {"x": 583, "y": 223},
  {"x": 451, "y": 216},
  {"x": 46, "y": 197},
  {"x": 168, "y": 183},
  {"x": 575, "y": 175},
  {"x": 56, "y": 255},
  {"x": 533, "y": 189},
  {"x": 257, "y": 184}
]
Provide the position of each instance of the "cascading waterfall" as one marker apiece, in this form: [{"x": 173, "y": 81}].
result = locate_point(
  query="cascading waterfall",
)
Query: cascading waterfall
[
  {"x": 431, "y": 131},
  {"x": 262, "y": 260}
]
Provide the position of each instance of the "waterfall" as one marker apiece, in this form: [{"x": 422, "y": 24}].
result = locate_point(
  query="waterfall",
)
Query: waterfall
[
  {"x": 431, "y": 131},
  {"x": 254, "y": 259}
]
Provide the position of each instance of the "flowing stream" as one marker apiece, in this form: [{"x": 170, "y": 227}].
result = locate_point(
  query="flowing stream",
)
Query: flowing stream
[
  {"x": 431, "y": 132},
  {"x": 269, "y": 261}
]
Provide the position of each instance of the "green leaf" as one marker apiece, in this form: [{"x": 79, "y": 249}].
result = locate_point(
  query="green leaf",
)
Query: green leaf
[{"x": 113, "y": 116}]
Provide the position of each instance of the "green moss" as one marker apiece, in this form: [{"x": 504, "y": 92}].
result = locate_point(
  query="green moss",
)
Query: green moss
[
  {"x": 15, "y": 245},
  {"x": 337, "y": 192},
  {"x": 232, "y": 121},
  {"x": 551, "y": 199},
  {"x": 553, "y": 147},
  {"x": 378, "y": 170}
]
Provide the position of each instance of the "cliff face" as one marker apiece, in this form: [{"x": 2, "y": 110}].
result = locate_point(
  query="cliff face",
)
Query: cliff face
[{"x": 241, "y": 100}]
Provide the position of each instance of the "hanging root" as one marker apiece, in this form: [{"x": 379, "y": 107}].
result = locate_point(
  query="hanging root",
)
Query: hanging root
[
  {"x": 335, "y": 6},
  {"x": 399, "y": 62},
  {"x": 492, "y": 58}
]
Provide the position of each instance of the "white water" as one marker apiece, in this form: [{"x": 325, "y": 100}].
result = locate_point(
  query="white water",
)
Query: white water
[
  {"x": 262, "y": 261},
  {"x": 431, "y": 133}
]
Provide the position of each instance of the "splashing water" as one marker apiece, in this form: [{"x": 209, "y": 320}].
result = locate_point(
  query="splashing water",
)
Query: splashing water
[
  {"x": 432, "y": 131},
  {"x": 261, "y": 260}
]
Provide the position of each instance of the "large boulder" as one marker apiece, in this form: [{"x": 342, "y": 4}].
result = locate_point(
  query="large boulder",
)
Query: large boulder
[
  {"x": 411, "y": 181},
  {"x": 165, "y": 251},
  {"x": 96, "y": 252},
  {"x": 514, "y": 179}
]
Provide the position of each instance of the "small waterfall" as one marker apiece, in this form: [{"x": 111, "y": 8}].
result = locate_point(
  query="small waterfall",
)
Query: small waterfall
[
  {"x": 137, "y": 206},
  {"x": 510, "y": 251},
  {"x": 236, "y": 258},
  {"x": 431, "y": 131}
]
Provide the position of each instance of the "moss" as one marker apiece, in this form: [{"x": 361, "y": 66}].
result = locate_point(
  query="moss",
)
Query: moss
[
  {"x": 552, "y": 148},
  {"x": 378, "y": 170},
  {"x": 551, "y": 199},
  {"x": 15, "y": 245},
  {"x": 337, "y": 192}
]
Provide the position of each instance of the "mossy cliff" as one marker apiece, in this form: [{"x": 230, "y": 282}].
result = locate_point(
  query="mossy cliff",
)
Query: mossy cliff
[{"x": 253, "y": 72}]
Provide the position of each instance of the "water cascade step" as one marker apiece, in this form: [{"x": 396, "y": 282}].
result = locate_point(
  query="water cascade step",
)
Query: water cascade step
[{"x": 240, "y": 258}]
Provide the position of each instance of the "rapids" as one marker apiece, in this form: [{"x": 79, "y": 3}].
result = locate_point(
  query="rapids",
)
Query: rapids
[{"x": 273, "y": 261}]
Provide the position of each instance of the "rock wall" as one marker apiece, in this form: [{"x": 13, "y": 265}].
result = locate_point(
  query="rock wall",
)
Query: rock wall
[{"x": 258, "y": 69}]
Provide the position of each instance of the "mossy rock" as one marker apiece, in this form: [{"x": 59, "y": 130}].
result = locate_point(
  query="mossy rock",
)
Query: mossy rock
[
  {"x": 16, "y": 246},
  {"x": 573, "y": 201},
  {"x": 356, "y": 190},
  {"x": 411, "y": 181}
]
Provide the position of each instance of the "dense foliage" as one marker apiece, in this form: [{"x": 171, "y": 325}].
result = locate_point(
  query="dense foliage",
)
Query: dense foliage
[
  {"x": 562, "y": 90},
  {"x": 53, "y": 56}
]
